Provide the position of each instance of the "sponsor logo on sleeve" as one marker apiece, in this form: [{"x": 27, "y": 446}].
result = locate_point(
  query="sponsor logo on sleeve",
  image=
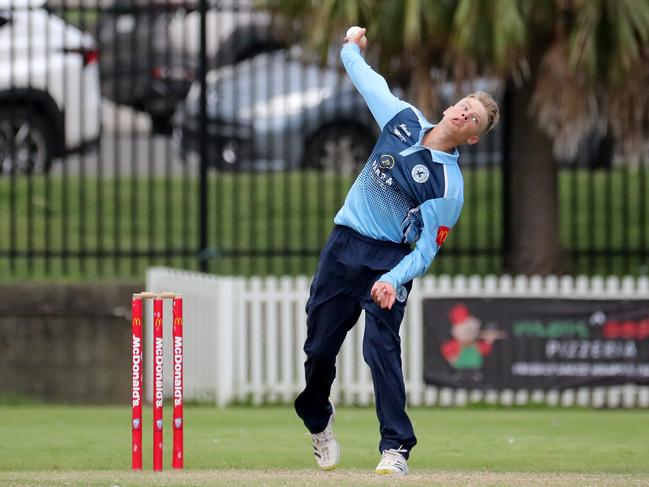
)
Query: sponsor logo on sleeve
[{"x": 442, "y": 233}]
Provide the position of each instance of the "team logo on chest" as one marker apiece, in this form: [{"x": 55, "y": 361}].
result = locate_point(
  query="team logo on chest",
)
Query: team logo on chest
[{"x": 420, "y": 173}]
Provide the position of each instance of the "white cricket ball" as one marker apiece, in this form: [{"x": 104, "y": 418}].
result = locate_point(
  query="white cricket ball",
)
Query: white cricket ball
[{"x": 354, "y": 29}]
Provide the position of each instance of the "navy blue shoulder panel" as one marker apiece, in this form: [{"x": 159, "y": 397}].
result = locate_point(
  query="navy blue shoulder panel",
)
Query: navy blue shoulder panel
[
  {"x": 415, "y": 174},
  {"x": 404, "y": 126}
]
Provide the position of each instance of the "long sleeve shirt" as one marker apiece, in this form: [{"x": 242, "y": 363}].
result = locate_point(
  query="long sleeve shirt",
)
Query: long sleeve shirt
[{"x": 405, "y": 192}]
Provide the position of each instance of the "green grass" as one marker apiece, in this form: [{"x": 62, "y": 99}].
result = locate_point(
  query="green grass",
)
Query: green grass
[
  {"x": 276, "y": 223},
  {"x": 64, "y": 440},
  {"x": 556, "y": 440}
]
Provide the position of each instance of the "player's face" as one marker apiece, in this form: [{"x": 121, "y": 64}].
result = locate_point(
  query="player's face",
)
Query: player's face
[{"x": 467, "y": 119}]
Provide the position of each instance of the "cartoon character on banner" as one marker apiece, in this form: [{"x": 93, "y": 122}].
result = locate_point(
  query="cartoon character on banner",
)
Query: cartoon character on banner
[{"x": 469, "y": 345}]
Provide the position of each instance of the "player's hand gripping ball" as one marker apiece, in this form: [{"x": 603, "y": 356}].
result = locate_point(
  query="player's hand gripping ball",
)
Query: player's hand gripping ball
[{"x": 353, "y": 33}]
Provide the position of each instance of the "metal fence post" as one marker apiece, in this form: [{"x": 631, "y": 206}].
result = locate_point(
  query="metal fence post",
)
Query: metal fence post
[
  {"x": 203, "y": 187},
  {"x": 506, "y": 177}
]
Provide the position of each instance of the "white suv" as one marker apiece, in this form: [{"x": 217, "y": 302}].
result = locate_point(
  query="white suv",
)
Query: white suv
[{"x": 50, "y": 103}]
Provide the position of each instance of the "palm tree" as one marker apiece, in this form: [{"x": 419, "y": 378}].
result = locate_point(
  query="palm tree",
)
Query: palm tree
[{"x": 567, "y": 64}]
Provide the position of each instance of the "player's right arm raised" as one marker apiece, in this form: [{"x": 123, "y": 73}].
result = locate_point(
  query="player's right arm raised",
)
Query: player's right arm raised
[{"x": 371, "y": 85}]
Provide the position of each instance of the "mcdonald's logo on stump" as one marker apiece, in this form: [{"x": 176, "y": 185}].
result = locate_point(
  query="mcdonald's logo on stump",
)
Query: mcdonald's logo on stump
[{"x": 137, "y": 314}]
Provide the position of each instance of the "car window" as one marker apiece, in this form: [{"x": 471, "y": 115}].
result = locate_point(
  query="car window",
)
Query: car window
[{"x": 246, "y": 42}]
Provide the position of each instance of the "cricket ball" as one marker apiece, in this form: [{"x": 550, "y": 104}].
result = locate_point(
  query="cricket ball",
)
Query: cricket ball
[{"x": 354, "y": 29}]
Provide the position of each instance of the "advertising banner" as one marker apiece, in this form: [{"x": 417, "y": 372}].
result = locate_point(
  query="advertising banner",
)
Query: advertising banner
[{"x": 535, "y": 343}]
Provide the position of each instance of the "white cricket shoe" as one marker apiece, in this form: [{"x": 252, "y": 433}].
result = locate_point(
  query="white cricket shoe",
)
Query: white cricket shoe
[
  {"x": 325, "y": 447},
  {"x": 392, "y": 463}
]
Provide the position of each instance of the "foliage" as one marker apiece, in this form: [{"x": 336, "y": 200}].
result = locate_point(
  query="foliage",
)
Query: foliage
[{"x": 587, "y": 59}]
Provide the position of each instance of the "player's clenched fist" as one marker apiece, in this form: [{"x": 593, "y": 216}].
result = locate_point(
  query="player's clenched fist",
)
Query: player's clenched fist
[{"x": 383, "y": 294}]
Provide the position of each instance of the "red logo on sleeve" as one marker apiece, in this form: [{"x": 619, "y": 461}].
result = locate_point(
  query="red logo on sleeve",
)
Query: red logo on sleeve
[{"x": 442, "y": 233}]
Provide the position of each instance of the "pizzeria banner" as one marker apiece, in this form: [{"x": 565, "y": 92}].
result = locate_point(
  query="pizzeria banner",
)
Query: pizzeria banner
[{"x": 520, "y": 343}]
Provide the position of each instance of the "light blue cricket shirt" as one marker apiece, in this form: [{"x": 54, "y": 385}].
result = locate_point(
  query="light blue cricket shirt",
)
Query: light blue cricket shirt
[{"x": 406, "y": 192}]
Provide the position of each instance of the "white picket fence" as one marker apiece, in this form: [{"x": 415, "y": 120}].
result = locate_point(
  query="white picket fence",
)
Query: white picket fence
[{"x": 244, "y": 338}]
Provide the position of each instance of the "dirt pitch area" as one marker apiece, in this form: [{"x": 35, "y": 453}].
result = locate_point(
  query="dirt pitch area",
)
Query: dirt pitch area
[{"x": 312, "y": 478}]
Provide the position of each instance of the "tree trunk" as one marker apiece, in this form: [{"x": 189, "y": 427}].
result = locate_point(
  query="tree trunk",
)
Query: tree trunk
[
  {"x": 424, "y": 92},
  {"x": 531, "y": 199}
]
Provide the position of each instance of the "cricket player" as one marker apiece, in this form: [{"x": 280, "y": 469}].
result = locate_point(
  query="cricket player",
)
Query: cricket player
[{"x": 396, "y": 216}]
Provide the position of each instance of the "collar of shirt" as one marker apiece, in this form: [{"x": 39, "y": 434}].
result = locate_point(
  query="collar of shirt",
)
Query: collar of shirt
[{"x": 438, "y": 156}]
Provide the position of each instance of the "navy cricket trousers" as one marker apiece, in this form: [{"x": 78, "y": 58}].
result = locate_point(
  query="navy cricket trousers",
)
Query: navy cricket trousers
[{"x": 349, "y": 265}]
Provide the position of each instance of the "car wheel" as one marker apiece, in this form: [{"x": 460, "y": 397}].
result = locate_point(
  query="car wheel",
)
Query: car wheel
[
  {"x": 341, "y": 147},
  {"x": 25, "y": 142}
]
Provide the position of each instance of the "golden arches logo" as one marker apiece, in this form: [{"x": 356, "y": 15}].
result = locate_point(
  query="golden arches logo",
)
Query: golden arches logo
[
  {"x": 137, "y": 322},
  {"x": 157, "y": 322},
  {"x": 442, "y": 233},
  {"x": 178, "y": 321}
]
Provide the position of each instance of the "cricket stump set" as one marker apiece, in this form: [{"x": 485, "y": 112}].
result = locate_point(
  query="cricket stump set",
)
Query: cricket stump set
[{"x": 137, "y": 306}]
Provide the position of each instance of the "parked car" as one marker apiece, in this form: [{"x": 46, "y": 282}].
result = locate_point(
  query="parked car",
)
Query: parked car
[
  {"x": 150, "y": 50},
  {"x": 49, "y": 87},
  {"x": 276, "y": 111},
  {"x": 595, "y": 150}
]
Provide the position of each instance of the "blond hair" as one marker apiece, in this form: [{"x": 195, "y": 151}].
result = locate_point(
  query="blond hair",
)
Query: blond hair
[{"x": 490, "y": 105}]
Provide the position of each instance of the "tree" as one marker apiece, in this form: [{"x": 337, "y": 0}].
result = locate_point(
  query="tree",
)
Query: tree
[{"x": 567, "y": 64}]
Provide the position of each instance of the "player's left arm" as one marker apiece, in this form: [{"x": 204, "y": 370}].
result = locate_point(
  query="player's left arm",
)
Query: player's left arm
[{"x": 439, "y": 216}]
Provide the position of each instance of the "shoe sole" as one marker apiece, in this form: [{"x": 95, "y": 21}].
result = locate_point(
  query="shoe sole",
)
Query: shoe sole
[
  {"x": 332, "y": 467},
  {"x": 385, "y": 471}
]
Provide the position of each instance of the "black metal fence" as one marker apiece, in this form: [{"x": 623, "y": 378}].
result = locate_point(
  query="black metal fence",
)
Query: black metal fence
[{"x": 225, "y": 148}]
